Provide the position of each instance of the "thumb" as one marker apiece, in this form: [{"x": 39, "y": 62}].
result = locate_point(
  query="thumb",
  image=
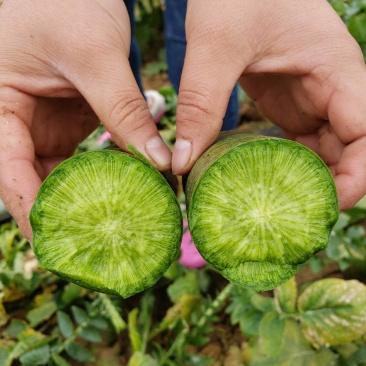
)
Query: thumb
[
  {"x": 111, "y": 90},
  {"x": 204, "y": 92}
]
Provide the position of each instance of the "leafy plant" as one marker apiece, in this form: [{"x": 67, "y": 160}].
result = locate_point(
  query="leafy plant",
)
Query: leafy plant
[
  {"x": 353, "y": 13},
  {"x": 309, "y": 329}
]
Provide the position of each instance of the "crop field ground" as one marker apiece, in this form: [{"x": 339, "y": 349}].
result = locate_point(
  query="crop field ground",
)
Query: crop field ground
[{"x": 191, "y": 316}]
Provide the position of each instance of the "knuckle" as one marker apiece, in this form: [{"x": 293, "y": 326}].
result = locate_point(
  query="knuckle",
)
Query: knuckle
[
  {"x": 128, "y": 113},
  {"x": 196, "y": 107}
]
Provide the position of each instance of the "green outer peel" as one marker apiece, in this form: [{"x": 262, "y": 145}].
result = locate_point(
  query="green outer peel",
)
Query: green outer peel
[
  {"x": 107, "y": 221},
  {"x": 259, "y": 206}
]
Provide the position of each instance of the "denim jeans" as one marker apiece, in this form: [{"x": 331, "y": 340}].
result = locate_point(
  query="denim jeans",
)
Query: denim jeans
[{"x": 175, "y": 46}]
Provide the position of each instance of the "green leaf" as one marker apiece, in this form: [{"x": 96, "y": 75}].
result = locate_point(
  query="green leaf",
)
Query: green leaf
[
  {"x": 58, "y": 360},
  {"x": 79, "y": 353},
  {"x": 4, "y": 357},
  {"x": 65, "y": 324},
  {"x": 355, "y": 232},
  {"x": 294, "y": 351},
  {"x": 285, "y": 297},
  {"x": 343, "y": 221},
  {"x": 90, "y": 334},
  {"x": 36, "y": 356},
  {"x": 339, "y": 6},
  {"x": 271, "y": 331},
  {"x": 27, "y": 339},
  {"x": 139, "y": 359},
  {"x": 249, "y": 323},
  {"x": 336, "y": 248},
  {"x": 359, "y": 356},
  {"x": 79, "y": 314},
  {"x": 333, "y": 311},
  {"x": 316, "y": 264},
  {"x": 41, "y": 313},
  {"x": 99, "y": 323},
  {"x": 133, "y": 332},
  {"x": 262, "y": 303},
  {"x": 71, "y": 293},
  {"x": 185, "y": 285},
  {"x": 357, "y": 27},
  {"x": 113, "y": 313},
  {"x": 15, "y": 327}
]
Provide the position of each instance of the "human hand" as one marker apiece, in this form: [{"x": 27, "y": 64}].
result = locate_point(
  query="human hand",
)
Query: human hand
[
  {"x": 299, "y": 64},
  {"x": 60, "y": 62}
]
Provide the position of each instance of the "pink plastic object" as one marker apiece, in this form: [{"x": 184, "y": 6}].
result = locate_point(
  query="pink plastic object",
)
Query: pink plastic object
[
  {"x": 102, "y": 139},
  {"x": 190, "y": 256}
]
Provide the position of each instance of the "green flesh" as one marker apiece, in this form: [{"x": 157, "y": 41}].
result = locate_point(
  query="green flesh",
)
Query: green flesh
[
  {"x": 260, "y": 209},
  {"x": 107, "y": 221}
]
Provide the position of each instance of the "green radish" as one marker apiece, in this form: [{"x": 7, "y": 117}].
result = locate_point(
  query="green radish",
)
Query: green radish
[
  {"x": 108, "y": 221},
  {"x": 258, "y": 207}
]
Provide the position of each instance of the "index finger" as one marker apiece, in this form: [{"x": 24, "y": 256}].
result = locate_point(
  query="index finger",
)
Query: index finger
[
  {"x": 346, "y": 112},
  {"x": 19, "y": 181}
]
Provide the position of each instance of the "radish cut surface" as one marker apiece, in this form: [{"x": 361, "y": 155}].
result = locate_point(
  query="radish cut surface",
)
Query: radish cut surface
[
  {"x": 258, "y": 207},
  {"x": 107, "y": 221}
]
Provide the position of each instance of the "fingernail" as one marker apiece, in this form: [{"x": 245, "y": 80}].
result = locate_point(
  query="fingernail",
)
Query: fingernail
[
  {"x": 182, "y": 155},
  {"x": 159, "y": 152}
]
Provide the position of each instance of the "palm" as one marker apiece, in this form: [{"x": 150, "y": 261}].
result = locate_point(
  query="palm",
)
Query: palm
[{"x": 59, "y": 125}]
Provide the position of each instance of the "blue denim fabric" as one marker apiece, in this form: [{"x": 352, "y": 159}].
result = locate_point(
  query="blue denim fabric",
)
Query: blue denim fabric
[
  {"x": 175, "y": 45},
  {"x": 135, "y": 56}
]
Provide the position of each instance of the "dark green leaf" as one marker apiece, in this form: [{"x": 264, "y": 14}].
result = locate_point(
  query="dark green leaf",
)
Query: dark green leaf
[
  {"x": 58, "y": 360},
  {"x": 359, "y": 356},
  {"x": 65, "y": 324},
  {"x": 71, "y": 293},
  {"x": 15, "y": 327},
  {"x": 4, "y": 356},
  {"x": 271, "y": 331},
  {"x": 185, "y": 285},
  {"x": 262, "y": 303},
  {"x": 339, "y": 6},
  {"x": 316, "y": 264},
  {"x": 99, "y": 323},
  {"x": 343, "y": 264},
  {"x": 36, "y": 356},
  {"x": 355, "y": 231},
  {"x": 249, "y": 323},
  {"x": 357, "y": 214},
  {"x": 79, "y": 353},
  {"x": 90, "y": 334},
  {"x": 336, "y": 249},
  {"x": 79, "y": 314},
  {"x": 197, "y": 340},
  {"x": 342, "y": 222},
  {"x": 357, "y": 27},
  {"x": 41, "y": 313}
]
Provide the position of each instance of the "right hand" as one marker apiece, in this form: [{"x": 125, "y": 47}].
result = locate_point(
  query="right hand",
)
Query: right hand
[{"x": 63, "y": 68}]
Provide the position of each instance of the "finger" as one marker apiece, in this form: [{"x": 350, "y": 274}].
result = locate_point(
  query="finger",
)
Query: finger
[
  {"x": 350, "y": 174},
  {"x": 330, "y": 147},
  {"x": 111, "y": 90},
  {"x": 19, "y": 182},
  {"x": 346, "y": 112},
  {"x": 204, "y": 93}
]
